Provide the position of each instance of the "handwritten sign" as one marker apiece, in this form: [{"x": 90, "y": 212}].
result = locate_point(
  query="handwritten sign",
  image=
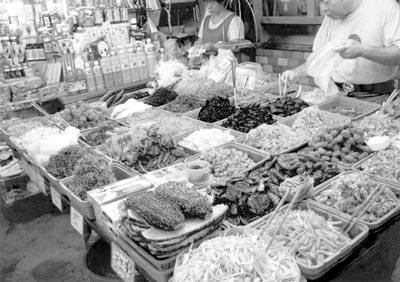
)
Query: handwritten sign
[
  {"x": 122, "y": 264},
  {"x": 77, "y": 221}
]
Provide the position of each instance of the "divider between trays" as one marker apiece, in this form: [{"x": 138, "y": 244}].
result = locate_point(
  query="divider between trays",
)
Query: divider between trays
[{"x": 371, "y": 225}]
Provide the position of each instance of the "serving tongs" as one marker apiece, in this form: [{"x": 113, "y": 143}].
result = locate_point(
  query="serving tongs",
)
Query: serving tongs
[
  {"x": 297, "y": 197},
  {"x": 388, "y": 101}
]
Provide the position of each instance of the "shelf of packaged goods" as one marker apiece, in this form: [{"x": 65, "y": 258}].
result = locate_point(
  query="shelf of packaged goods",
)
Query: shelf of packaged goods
[
  {"x": 92, "y": 96},
  {"x": 292, "y": 20}
]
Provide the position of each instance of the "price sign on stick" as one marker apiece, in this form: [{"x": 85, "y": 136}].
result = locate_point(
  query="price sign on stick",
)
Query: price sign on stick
[
  {"x": 77, "y": 221},
  {"x": 56, "y": 198},
  {"x": 122, "y": 264}
]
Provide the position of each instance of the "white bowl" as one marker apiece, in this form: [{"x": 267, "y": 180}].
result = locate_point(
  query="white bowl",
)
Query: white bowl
[{"x": 378, "y": 143}]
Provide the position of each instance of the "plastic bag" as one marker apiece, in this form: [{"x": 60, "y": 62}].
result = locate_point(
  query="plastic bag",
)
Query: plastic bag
[{"x": 321, "y": 64}]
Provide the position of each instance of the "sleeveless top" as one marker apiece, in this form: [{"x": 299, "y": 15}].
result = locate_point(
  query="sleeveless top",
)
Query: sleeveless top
[{"x": 218, "y": 34}]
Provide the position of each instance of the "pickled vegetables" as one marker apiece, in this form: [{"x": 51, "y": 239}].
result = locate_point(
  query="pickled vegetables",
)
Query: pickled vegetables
[
  {"x": 205, "y": 139},
  {"x": 349, "y": 191},
  {"x": 384, "y": 164},
  {"x": 82, "y": 115}
]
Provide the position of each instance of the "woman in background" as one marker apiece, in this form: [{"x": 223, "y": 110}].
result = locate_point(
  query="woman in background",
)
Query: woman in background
[{"x": 219, "y": 25}]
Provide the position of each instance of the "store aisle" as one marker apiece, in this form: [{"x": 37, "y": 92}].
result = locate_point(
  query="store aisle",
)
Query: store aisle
[{"x": 44, "y": 250}]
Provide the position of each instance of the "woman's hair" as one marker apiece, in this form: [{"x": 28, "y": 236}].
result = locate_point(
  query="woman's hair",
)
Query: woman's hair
[{"x": 222, "y": 2}]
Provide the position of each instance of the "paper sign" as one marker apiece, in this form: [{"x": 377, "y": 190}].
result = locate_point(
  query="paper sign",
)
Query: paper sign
[
  {"x": 56, "y": 198},
  {"x": 77, "y": 221},
  {"x": 122, "y": 264}
]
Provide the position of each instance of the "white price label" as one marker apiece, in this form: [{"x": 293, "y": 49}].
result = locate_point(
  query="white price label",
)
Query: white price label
[
  {"x": 56, "y": 198},
  {"x": 77, "y": 221},
  {"x": 40, "y": 183},
  {"x": 122, "y": 264}
]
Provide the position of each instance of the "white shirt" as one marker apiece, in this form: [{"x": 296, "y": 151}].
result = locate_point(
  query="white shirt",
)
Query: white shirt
[
  {"x": 235, "y": 29},
  {"x": 377, "y": 22}
]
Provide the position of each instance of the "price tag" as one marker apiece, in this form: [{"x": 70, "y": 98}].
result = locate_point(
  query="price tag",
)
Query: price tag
[
  {"x": 56, "y": 198},
  {"x": 40, "y": 183},
  {"x": 122, "y": 264},
  {"x": 77, "y": 221}
]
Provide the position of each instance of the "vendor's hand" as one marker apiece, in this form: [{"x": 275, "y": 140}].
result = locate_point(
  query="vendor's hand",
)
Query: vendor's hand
[
  {"x": 290, "y": 75},
  {"x": 351, "y": 49}
]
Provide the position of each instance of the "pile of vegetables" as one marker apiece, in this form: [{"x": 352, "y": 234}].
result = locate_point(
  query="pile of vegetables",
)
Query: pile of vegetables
[
  {"x": 82, "y": 115},
  {"x": 9, "y": 165},
  {"x": 313, "y": 239},
  {"x": 26, "y": 125},
  {"x": 393, "y": 110},
  {"x": 248, "y": 198},
  {"x": 226, "y": 162},
  {"x": 287, "y": 106},
  {"x": 183, "y": 104},
  {"x": 117, "y": 97},
  {"x": 385, "y": 164},
  {"x": 205, "y": 139},
  {"x": 216, "y": 109},
  {"x": 284, "y": 166},
  {"x": 91, "y": 172},
  {"x": 101, "y": 134},
  {"x": 344, "y": 144},
  {"x": 248, "y": 97},
  {"x": 161, "y": 97},
  {"x": 62, "y": 164},
  {"x": 311, "y": 120},
  {"x": 128, "y": 108},
  {"x": 248, "y": 117},
  {"x": 236, "y": 258},
  {"x": 274, "y": 139},
  {"x": 378, "y": 125},
  {"x": 143, "y": 150},
  {"x": 349, "y": 191}
]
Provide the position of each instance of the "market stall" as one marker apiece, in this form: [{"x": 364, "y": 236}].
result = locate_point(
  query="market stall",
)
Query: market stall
[{"x": 191, "y": 165}]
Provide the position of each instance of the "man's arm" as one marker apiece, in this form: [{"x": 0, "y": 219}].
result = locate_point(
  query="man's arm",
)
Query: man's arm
[
  {"x": 389, "y": 56},
  {"x": 294, "y": 74}
]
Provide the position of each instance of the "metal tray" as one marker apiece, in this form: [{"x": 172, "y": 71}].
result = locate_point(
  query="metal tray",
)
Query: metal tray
[{"x": 371, "y": 225}]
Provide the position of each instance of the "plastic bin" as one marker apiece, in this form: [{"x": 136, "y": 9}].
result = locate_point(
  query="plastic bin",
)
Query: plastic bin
[
  {"x": 371, "y": 225},
  {"x": 256, "y": 155},
  {"x": 365, "y": 108},
  {"x": 85, "y": 207},
  {"x": 234, "y": 133},
  {"x": 358, "y": 234}
]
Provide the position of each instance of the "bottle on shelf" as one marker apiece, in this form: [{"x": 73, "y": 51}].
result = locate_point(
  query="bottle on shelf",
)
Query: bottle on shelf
[
  {"x": 107, "y": 67},
  {"x": 151, "y": 58},
  {"x": 141, "y": 57},
  {"x": 71, "y": 81},
  {"x": 125, "y": 67},
  {"x": 133, "y": 65},
  {"x": 90, "y": 80},
  {"x": 80, "y": 73},
  {"x": 117, "y": 72},
  {"x": 98, "y": 76}
]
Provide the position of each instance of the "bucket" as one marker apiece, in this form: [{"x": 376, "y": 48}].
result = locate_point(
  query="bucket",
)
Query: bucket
[{"x": 97, "y": 263}]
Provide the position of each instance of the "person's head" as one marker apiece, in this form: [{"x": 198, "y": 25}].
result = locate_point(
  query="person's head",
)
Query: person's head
[
  {"x": 339, "y": 9},
  {"x": 215, "y": 6}
]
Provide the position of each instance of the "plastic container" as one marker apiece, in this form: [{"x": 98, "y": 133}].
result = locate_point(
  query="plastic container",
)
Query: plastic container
[
  {"x": 198, "y": 171},
  {"x": 234, "y": 133},
  {"x": 334, "y": 118},
  {"x": 371, "y": 225},
  {"x": 106, "y": 65},
  {"x": 378, "y": 143},
  {"x": 142, "y": 63},
  {"x": 256, "y": 155},
  {"x": 117, "y": 72},
  {"x": 71, "y": 80},
  {"x": 90, "y": 80},
  {"x": 85, "y": 207},
  {"x": 357, "y": 166},
  {"x": 98, "y": 76},
  {"x": 358, "y": 234},
  {"x": 364, "y": 107},
  {"x": 151, "y": 58}
]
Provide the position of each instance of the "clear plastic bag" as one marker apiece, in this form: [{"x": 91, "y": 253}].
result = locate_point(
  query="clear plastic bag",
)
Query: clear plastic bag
[{"x": 321, "y": 64}]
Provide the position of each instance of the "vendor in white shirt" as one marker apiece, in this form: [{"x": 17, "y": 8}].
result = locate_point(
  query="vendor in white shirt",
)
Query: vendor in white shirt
[
  {"x": 370, "y": 66},
  {"x": 219, "y": 24}
]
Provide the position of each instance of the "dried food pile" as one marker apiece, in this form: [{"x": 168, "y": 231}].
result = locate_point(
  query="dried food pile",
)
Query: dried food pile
[
  {"x": 161, "y": 97},
  {"x": 101, "y": 134},
  {"x": 216, "y": 109},
  {"x": 82, "y": 115},
  {"x": 183, "y": 104},
  {"x": 287, "y": 106},
  {"x": 170, "y": 218},
  {"x": 248, "y": 117}
]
